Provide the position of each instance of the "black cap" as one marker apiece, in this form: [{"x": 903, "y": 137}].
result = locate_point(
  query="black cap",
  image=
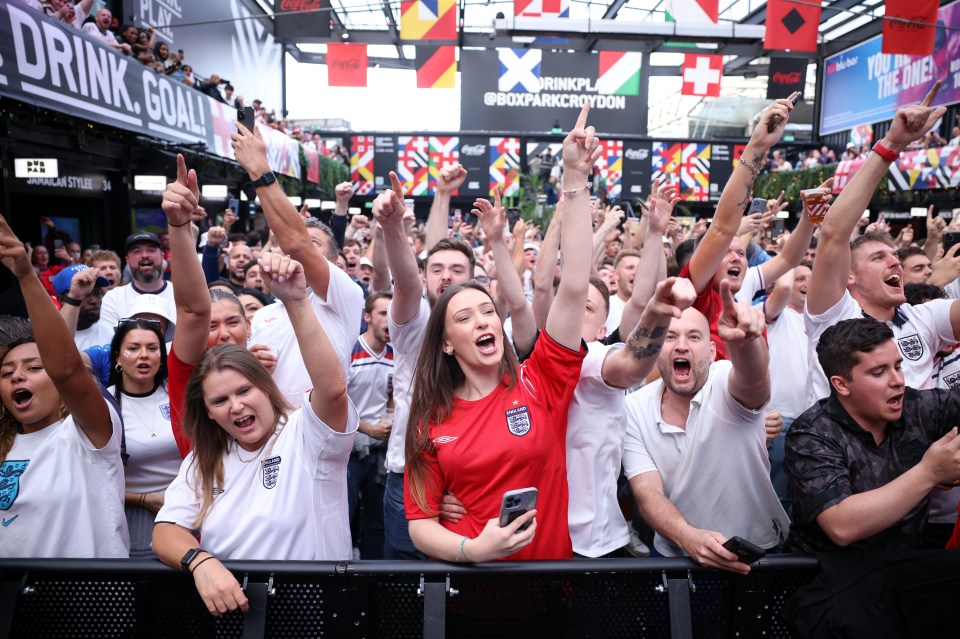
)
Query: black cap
[{"x": 143, "y": 236}]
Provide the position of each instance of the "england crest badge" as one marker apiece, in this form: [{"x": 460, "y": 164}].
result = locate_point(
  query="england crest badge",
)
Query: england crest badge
[
  {"x": 911, "y": 346},
  {"x": 271, "y": 471},
  {"x": 518, "y": 420},
  {"x": 165, "y": 411},
  {"x": 10, "y": 472}
]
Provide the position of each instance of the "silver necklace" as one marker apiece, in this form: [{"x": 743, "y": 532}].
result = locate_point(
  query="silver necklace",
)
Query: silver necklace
[{"x": 252, "y": 459}]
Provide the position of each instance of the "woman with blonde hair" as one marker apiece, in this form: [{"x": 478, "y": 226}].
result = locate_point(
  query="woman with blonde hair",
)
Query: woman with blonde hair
[{"x": 261, "y": 482}]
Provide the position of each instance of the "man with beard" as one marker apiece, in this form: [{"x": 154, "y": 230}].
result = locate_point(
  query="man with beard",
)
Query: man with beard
[
  {"x": 145, "y": 261},
  {"x": 370, "y": 387},
  {"x": 237, "y": 259},
  {"x": 80, "y": 292},
  {"x": 695, "y": 450}
]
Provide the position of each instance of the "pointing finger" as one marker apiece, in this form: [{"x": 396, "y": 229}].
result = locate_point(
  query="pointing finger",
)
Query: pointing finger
[
  {"x": 582, "y": 118},
  {"x": 932, "y": 95},
  {"x": 181, "y": 169},
  {"x": 395, "y": 183},
  {"x": 726, "y": 296}
]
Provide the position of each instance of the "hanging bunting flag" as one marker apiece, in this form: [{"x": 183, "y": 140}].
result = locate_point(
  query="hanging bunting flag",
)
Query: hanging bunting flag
[
  {"x": 436, "y": 67},
  {"x": 701, "y": 74},
  {"x": 541, "y": 8},
  {"x": 693, "y": 11},
  {"x": 619, "y": 73},
  {"x": 347, "y": 64},
  {"x": 792, "y": 25},
  {"x": 909, "y": 38},
  {"x": 428, "y": 20}
]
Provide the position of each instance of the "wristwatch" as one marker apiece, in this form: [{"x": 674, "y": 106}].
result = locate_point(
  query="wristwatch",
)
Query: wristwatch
[
  {"x": 189, "y": 557},
  {"x": 264, "y": 180}
]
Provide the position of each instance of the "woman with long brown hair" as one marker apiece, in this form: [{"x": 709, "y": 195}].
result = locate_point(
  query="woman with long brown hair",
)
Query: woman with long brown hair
[
  {"x": 61, "y": 478},
  {"x": 261, "y": 482},
  {"x": 480, "y": 424}
]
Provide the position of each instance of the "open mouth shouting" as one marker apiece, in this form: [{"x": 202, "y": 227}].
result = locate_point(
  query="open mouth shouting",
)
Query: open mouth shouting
[
  {"x": 734, "y": 272},
  {"x": 894, "y": 281},
  {"x": 244, "y": 424},
  {"x": 22, "y": 398},
  {"x": 681, "y": 369},
  {"x": 487, "y": 344}
]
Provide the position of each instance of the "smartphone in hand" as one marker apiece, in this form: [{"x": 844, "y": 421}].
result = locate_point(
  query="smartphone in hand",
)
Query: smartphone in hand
[
  {"x": 246, "y": 117},
  {"x": 746, "y": 552},
  {"x": 516, "y": 503}
]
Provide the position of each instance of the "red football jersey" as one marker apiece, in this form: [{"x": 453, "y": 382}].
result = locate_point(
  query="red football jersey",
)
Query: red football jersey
[{"x": 512, "y": 438}]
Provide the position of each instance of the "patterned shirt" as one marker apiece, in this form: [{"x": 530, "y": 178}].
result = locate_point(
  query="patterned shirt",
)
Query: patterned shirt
[{"x": 830, "y": 457}]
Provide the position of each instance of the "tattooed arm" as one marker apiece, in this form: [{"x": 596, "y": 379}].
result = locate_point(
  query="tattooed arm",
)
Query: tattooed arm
[
  {"x": 629, "y": 366},
  {"x": 736, "y": 194}
]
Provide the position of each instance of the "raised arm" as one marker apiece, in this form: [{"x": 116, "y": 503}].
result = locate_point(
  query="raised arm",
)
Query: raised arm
[
  {"x": 741, "y": 328},
  {"x": 726, "y": 221},
  {"x": 448, "y": 181},
  {"x": 580, "y": 150},
  {"x": 58, "y": 352},
  {"x": 338, "y": 221},
  {"x": 388, "y": 209},
  {"x": 777, "y": 300},
  {"x": 380, "y": 281},
  {"x": 491, "y": 218},
  {"x": 545, "y": 268},
  {"x": 189, "y": 289},
  {"x": 629, "y": 366},
  {"x": 832, "y": 266},
  {"x": 329, "y": 396},
  {"x": 935, "y": 229},
  {"x": 663, "y": 198},
  {"x": 81, "y": 285},
  {"x": 282, "y": 216}
]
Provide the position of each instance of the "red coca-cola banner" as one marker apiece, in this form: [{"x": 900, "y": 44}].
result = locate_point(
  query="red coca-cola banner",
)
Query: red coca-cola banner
[
  {"x": 786, "y": 76},
  {"x": 302, "y": 20}
]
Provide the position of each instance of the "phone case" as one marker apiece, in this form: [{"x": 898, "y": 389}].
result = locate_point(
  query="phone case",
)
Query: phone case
[
  {"x": 516, "y": 503},
  {"x": 747, "y": 552}
]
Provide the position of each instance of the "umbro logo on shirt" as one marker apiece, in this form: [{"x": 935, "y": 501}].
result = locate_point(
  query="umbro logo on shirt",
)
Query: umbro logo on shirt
[{"x": 445, "y": 439}]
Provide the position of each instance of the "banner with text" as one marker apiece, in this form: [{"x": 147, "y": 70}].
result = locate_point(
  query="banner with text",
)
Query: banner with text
[
  {"x": 46, "y": 63},
  {"x": 862, "y": 85},
  {"x": 525, "y": 90}
]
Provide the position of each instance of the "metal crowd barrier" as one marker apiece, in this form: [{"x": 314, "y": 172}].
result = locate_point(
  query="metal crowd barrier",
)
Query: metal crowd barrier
[{"x": 385, "y": 599}]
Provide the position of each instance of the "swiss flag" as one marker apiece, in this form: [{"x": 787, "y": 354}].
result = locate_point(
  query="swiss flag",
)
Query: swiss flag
[
  {"x": 347, "y": 64},
  {"x": 701, "y": 74},
  {"x": 792, "y": 25},
  {"x": 909, "y": 38}
]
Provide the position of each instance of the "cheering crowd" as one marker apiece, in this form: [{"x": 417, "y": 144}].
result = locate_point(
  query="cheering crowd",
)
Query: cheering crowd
[{"x": 372, "y": 389}]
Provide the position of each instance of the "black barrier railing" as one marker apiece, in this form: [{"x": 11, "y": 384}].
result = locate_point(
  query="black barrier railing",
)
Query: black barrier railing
[{"x": 386, "y": 599}]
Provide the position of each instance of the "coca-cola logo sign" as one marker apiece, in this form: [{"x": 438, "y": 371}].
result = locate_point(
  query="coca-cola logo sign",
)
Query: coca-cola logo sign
[
  {"x": 300, "y": 5},
  {"x": 792, "y": 77},
  {"x": 351, "y": 64},
  {"x": 472, "y": 150},
  {"x": 914, "y": 23},
  {"x": 636, "y": 154}
]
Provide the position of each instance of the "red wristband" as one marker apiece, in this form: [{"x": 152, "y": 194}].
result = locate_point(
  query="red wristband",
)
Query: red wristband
[{"x": 885, "y": 153}]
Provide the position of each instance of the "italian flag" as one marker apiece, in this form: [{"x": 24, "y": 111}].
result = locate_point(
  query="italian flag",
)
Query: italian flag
[
  {"x": 619, "y": 73},
  {"x": 696, "y": 11}
]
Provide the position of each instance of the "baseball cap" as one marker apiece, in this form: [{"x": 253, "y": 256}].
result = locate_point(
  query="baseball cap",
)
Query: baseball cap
[
  {"x": 531, "y": 246},
  {"x": 61, "y": 281},
  {"x": 142, "y": 236},
  {"x": 365, "y": 261},
  {"x": 147, "y": 303}
]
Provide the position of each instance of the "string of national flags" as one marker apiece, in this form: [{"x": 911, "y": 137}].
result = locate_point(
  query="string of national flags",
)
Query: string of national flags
[{"x": 909, "y": 28}]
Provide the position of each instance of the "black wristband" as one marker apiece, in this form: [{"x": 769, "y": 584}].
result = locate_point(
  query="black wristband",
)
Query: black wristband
[
  {"x": 176, "y": 226},
  {"x": 70, "y": 301},
  {"x": 207, "y": 558}
]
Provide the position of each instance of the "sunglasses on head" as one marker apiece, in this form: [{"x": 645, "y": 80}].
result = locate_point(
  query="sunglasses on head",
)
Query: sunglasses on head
[{"x": 138, "y": 320}]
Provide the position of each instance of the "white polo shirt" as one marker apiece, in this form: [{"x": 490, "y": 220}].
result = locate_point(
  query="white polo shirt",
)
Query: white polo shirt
[
  {"x": 287, "y": 503},
  {"x": 406, "y": 340},
  {"x": 62, "y": 497},
  {"x": 340, "y": 317},
  {"x": 595, "y": 432},
  {"x": 926, "y": 329},
  {"x": 716, "y": 471}
]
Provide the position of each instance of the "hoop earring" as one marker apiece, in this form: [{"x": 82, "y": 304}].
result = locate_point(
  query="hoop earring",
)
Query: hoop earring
[{"x": 118, "y": 368}]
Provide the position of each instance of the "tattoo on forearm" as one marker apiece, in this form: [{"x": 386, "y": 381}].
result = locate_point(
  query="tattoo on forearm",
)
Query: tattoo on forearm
[
  {"x": 754, "y": 166},
  {"x": 642, "y": 333}
]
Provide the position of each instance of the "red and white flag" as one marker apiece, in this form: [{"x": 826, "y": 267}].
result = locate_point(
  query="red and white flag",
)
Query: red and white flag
[{"x": 702, "y": 74}]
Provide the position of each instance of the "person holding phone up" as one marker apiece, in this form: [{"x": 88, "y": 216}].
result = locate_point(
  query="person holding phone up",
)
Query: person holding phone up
[{"x": 480, "y": 424}]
